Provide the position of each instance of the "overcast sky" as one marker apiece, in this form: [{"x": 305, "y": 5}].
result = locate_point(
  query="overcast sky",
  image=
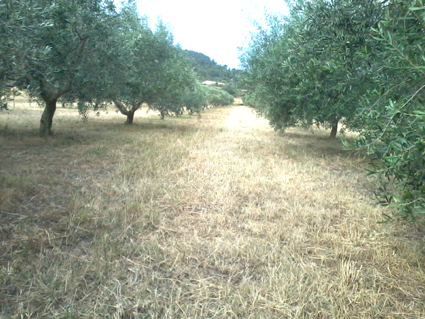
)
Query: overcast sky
[{"x": 215, "y": 28}]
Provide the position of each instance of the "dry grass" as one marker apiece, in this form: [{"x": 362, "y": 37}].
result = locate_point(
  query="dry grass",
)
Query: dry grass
[{"x": 218, "y": 218}]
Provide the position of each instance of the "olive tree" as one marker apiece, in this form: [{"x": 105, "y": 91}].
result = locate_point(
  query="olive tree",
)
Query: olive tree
[
  {"x": 304, "y": 69},
  {"x": 67, "y": 29},
  {"x": 177, "y": 86},
  {"x": 150, "y": 68}
]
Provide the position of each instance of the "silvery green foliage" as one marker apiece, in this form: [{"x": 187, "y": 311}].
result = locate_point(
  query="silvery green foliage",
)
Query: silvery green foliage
[
  {"x": 150, "y": 68},
  {"x": 394, "y": 115},
  {"x": 18, "y": 21},
  {"x": 304, "y": 68}
]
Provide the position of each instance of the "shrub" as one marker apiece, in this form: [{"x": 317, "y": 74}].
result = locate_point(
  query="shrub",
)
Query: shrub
[{"x": 218, "y": 97}]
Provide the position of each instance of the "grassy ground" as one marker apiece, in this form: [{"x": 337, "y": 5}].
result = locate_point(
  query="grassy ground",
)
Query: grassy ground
[{"x": 217, "y": 218}]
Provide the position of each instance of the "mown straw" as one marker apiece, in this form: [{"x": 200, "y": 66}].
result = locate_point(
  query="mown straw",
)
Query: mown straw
[{"x": 217, "y": 218}]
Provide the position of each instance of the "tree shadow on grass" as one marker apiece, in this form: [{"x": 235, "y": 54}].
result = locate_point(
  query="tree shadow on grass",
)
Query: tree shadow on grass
[
  {"x": 75, "y": 133},
  {"x": 318, "y": 144}
]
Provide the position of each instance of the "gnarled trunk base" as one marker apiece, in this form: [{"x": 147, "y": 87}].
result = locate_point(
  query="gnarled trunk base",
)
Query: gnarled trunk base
[{"x": 129, "y": 113}]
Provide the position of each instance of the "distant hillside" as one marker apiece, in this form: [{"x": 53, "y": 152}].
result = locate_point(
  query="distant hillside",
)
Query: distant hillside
[{"x": 208, "y": 69}]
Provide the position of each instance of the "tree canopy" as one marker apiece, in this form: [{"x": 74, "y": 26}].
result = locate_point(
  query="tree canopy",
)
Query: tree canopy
[{"x": 303, "y": 69}]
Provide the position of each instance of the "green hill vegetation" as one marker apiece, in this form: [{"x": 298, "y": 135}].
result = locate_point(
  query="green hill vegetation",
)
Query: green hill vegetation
[{"x": 207, "y": 69}]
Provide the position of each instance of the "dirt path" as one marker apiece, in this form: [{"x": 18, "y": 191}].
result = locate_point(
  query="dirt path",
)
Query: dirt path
[{"x": 267, "y": 229}]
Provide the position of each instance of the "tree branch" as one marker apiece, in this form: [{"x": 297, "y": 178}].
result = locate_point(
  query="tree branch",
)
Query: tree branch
[{"x": 121, "y": 107}]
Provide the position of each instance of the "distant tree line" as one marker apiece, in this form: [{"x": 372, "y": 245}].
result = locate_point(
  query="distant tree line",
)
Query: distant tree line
[{"x": 356, "y": 63}]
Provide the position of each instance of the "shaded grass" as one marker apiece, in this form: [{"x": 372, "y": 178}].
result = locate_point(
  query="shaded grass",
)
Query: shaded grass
[{"x": 218, "y": 218}]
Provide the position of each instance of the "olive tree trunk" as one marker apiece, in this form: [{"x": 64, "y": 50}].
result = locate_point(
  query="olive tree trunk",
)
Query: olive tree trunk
[
  {"x": 334, "y": 129},
  {"x": 50, "y": 96},
  {"x": 130, "y": 117},
  {"x": 46, "y": 121}
]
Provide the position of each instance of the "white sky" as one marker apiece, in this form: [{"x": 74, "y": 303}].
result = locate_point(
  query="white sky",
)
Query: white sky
[{"x": 215, "y": 28}]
